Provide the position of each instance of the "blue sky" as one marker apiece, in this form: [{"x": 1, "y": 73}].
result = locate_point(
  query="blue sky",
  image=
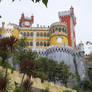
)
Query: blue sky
[{"x": 11, "y": 12}]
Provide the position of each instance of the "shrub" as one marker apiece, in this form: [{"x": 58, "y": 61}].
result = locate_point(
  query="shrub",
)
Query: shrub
[
  {"x": 27, "y": 85},
  {"x": 45, "y": 90},
  {"x": 67, "y": 91},
  {"x": 3, "y": 84}
]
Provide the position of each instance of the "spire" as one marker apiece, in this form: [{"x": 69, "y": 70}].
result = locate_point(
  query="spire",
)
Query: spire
[{"x": 72, "y": 10}]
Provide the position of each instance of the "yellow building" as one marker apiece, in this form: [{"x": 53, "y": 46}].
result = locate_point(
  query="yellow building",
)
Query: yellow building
[
  {"x": 42, "y": 37},
  {"x": 38, "y": 38}
]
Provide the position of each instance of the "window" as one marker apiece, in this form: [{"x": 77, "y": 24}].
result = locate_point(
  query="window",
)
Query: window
[
  {"x": 59, "y": 39},
  {"x": 31, "y": 34},
  {"x": 37, "y": 33},
  {"x": 37, "y": 43},
  {"x": 44, "y": 43},
  {"x": 44, "y": 34},
  {"x": 41, "y": 44},
  {"x": 47, "y": 34},
  {"x": 31, "y": 43},
  {"x": 53, "y": 31},
  {"x": 59, "y": 29},
  {"x": 27, "y": 33},
  {"x": 47, "y": 43},
  {"x": 41, "y": 34},
  {"x": 24, "y": 33},
  {"x": 28, "y": 44},
  {"x": 62, "y": 29}
]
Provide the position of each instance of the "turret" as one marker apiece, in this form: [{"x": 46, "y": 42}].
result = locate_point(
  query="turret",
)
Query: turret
[
  {"x": 72, "y": 10},
  {"x": 69, "y": 18},
  {"x": 58, "y": 34},
  {"x": 26, "y": 21},
  {"x": 80, "y": 48}
]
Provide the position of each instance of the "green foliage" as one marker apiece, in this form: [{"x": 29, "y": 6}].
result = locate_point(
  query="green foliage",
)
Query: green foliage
[
  {"x": 45, "y": 90},
  {"x": 86, "y": 85},
  {"x": 18, "y": 89},
  {"x": 52, "y": 70},
  {"x": 22, "y": 54},
  {"x": 1, "y": 59},
  {"x": 67, "y": 91},
  {"x": 21, "y": 43},
  {"x": 44, "y": 1},
  {"x": 90, "y": 74},
  {"x": 75, "y": 87}
]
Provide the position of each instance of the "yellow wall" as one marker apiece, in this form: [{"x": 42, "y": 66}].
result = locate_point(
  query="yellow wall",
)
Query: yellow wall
[
  {"x": 53, "y": 40},
  {"x": 54, "y": 36},
  {"x": 49, "y": 40}
]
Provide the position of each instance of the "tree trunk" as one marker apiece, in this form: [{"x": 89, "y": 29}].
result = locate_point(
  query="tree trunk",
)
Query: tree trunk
[
  {"x": 22, "y": 79},
  {"x": 6, "y": 72}
]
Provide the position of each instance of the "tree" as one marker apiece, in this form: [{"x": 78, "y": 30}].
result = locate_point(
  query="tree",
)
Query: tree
[
  {"x": 63, "y": 73},
  {"x": 6, "y": 50},
  {"x": 44, "y": 1},
  {"x": 52, "y": 70}
]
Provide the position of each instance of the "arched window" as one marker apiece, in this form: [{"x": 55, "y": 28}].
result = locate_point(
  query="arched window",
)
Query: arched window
[
  {"x": 44, "y": 43},
  {"x": 24, "y": 33},
  {"x": 47, "y": 34},
  {"x": 31, "y": 34},
  {"x": 37, "y": 43},
  {"x": 47, "y": 43},
  {"x": 31, "y": 43},
  {"x": 44, "y": 34},
  {"x": 27, "y": 33},
  {"x": 62, "y": 29},
  {"x": 37, "y": 33},
  {"x": 27, "y": 43},
  {"x": 59, "y": 29},
  {"x": 53, "y": 31},
  {"x": 41, "y": 34},
  {"x": 41, "y": 43}
]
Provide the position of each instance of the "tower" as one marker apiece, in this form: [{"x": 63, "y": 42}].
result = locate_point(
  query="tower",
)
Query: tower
[
  {"x": 26, "y": 21},
  {"x": 69, "y": 18},
  {"x": 58, "y": 34}
]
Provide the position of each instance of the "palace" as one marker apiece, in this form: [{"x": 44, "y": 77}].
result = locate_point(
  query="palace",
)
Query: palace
[{"x": 56, "y": 41}]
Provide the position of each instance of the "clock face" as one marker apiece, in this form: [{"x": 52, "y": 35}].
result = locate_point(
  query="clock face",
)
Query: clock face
[
  {"x": 27, "y": 23},
  {"x": 59, "y": 39}
]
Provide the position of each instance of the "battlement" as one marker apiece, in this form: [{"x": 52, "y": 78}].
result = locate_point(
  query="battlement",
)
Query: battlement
[
  {"x": 58, "y": 24},
  {"x": 34, "y": 28},
  {"x": 57, "y": 48},
  {"x": 64, "y": 13}
]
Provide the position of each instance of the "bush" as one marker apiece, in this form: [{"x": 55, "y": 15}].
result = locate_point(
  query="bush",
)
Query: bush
[
  {"x": 45, "y": 90},
  {"x": 86, "y": 85},
  {"x": 17, "y": 89},
  {"x": 67, "y": 91}
]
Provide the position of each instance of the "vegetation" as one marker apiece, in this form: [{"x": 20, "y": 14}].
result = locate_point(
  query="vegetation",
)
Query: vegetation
[
  {"x": 43, "y": 1},
  {"x": 67, "y": 91},
  {"x": 52, "y": 71},
  {"x": 45, "y": 90}
]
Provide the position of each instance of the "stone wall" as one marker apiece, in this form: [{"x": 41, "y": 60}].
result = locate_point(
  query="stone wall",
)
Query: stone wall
[
  {"x": 16, "y": 77},
  {"x": 70, "y": 56}
]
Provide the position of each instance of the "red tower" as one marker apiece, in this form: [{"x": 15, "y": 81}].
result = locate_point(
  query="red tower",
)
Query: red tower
[
  {"x": 69, "y": 18},
  {"x": 26, "y": 21}
]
